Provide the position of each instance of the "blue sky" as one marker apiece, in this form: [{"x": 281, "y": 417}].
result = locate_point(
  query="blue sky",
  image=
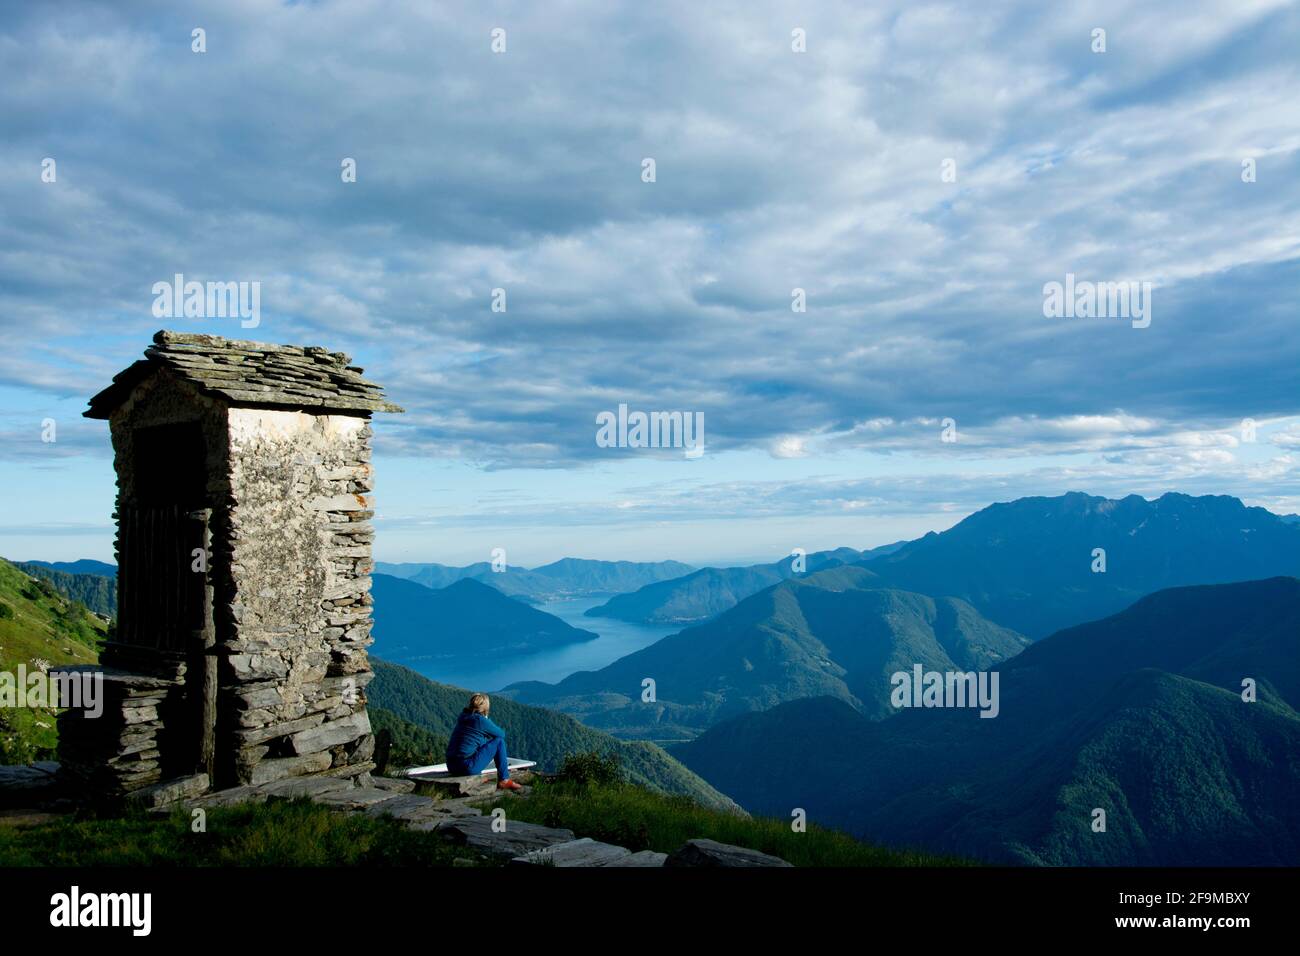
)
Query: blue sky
[{"x": 775, "y": 170}]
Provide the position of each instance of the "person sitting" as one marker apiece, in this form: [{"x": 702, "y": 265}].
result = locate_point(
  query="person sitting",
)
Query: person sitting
[{"x": 476, "y": 741}]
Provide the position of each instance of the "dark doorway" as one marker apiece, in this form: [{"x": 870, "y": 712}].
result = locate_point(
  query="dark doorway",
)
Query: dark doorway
[
  {"x": 165, "y": 586},
  {"x": 170, "y": 466}
]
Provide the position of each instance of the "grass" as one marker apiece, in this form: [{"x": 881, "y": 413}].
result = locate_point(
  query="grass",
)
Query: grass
[
  {"x": 279, "y": 833},
  {"x": 630, "y": 816},
  {"x": 38, "y": 626},
  {"x": 38, "y": 622},
  {"x": 299, "y": 833}
]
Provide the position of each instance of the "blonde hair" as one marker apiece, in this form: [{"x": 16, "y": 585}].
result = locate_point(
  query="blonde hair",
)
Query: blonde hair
[{"x": 479, "y": 703}]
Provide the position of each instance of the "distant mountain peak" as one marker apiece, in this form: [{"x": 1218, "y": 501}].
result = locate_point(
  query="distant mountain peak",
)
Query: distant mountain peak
[{"x": 1028, "y": 564}]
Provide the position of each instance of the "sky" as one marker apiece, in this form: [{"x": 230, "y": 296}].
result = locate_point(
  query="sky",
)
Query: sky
[{"x": 920, "y": 171}]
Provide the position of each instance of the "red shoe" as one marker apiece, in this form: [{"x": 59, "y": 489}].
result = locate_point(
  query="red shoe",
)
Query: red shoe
[{"x": 508, "y": 785}]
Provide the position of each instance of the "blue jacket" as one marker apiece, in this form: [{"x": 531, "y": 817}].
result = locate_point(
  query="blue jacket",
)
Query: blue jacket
[{"x": 472, "y": 731}]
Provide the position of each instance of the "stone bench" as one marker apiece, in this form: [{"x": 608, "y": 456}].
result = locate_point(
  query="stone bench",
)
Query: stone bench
[{"x": 438, "y": 779}]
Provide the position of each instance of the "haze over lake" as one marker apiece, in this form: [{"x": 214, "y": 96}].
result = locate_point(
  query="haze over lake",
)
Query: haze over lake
[{"x": 617, "y": 639}]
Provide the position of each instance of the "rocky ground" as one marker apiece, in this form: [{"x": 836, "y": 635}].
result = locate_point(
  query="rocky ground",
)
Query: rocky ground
[{"x": 452, "y": 807}]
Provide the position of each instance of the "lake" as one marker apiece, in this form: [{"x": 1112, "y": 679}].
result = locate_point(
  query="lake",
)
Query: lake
[{"x": 617, "y": 639}]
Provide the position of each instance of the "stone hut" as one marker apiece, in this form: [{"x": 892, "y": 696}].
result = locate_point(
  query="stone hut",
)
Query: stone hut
[{"x": 244, "y": 561}]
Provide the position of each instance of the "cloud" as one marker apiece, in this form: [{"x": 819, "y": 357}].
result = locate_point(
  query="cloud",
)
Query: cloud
[
  {"x": 790, "y": 446},
  {"x": 776, "y": 171},
  {"x": 1288, "y": 437}
]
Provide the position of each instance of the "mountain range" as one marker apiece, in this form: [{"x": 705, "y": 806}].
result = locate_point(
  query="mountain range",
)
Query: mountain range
[
  {"x": 96, "y": 590},
  {"x": 1028, "y": 564},
  {"x": 708, "y": 592},
  {"x": 80, "y": 566},
  {"x": 565, "y": 578},
  {"x": 1122, "y": 632},
  {"x": 466, "y": 619},
  {"x": 836, "y": 632},
  {"x": 1140, "y": 715}
]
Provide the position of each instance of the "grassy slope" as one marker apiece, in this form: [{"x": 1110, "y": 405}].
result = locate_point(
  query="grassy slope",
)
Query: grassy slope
[
  {"x": 97, "y": 591},
  {"x": 44, "y": 626},
  {"x": 1189, "y": 774},
  {"x": 298, "y": 833},
  {"x": 639, "y": 819},
  {"x": 280, "y": 833},
  {"x": 534, "y": 733}
]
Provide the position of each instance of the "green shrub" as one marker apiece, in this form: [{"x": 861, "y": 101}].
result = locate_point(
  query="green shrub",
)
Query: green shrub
[
  {"x": 413, "y": 746},
  {"x": 6, "y": 612},
  {"x": 16, "y": 747},
  {"x": 592, "y": 767}
]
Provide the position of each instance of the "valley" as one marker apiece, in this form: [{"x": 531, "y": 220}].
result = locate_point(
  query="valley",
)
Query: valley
[
  {"x": 887, "y": 692},
  {"x": 615, "y": 639}
]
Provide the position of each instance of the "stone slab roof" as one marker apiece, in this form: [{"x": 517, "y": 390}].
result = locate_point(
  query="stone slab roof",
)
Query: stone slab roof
[{"x": 253, "y": 374}]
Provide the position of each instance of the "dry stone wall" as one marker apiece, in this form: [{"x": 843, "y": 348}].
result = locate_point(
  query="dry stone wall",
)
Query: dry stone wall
[
  {"x": 298, "y": 616},
  {"x": 260, "y": 453},
  {"x": 121, "y": 750}
]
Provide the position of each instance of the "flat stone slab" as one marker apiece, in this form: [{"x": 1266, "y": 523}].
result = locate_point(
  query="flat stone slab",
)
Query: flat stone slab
[
  {"x": 393, "y": 784},
  {"x": 476, "y": 833},
  {"x": 712, "y": 853},
  {"x": 171, "y": 791},
  {"x": 434, "y": 818},
  {"x": 329, "y": 734},
  {"x": 581, "y": 852},
  {"x": 456, "y": 786},
  {"x": 29, "y": 779},
  {"x": 465, "y": 807},
  {"x": 124, "y": 679},
  {"x": 403, "y": 806},
  {"x": 641, "y": 858},
  {"x": 222, "y": 798},
  {"x": 291, "y": 788},
  {"x": 352, "y": 798},
  {"x": 281, "y": 768},
  {"x": 352, "y": 772},
  {"x": 230, "y": 797},
  {"x": 418, "y": 816}
]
